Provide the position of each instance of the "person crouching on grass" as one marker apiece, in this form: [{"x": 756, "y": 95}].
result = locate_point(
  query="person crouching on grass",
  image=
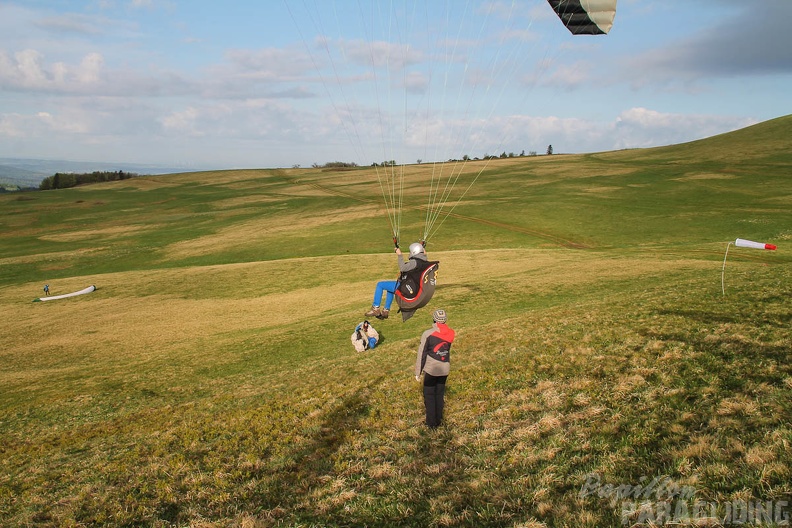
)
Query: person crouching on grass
[
  {"x": 434, "y": 360},
  {"x": 364, "y": 337}
]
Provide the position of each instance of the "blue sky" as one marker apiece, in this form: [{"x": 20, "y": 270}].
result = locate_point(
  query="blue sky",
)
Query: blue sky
[{"x": 207, "y": 84}]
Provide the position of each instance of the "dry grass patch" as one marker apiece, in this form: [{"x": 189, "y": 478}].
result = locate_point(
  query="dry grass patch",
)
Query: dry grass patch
[
  {"x": 602, "y": 189},
  {"x": 55, "y": 256},
  {"x": 222, "y": 177},
  {"x": 547, "y": 270},
  {"x": 103, "y": 233},
  {"x": 115, "y": 328},
  {"x": 249, "y": 200},
  {"x": 739, "y": 405},
  {"x": 142, "y": 183},
  {"x": 253, "y": 232},
  {"x": 705, "y": 176}
]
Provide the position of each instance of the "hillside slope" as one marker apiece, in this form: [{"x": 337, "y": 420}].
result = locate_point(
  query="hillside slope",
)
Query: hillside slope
[
  {"x": 210, "y": 379},
  {"x": 767, "y": 140}
]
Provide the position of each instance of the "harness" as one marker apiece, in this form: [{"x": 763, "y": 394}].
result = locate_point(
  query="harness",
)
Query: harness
[
  {"x": 409, "y": 282},
  {"x": 415, "y": 287}
]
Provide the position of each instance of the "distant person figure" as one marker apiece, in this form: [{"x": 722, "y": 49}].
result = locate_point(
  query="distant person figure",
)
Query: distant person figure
[
  {"x": 46, "y": 289},
  {"x": 417, "y": 260},
  {"x": 434, "y": 360},
  {"x": 364, "y": 337}
]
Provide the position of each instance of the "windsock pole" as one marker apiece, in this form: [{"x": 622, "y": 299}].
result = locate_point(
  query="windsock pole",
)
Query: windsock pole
[
  {"x": 723, "y": 269},
  {"x": 740, "y": 242}
]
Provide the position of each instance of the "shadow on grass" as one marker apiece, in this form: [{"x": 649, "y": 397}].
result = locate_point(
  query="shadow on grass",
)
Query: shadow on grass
[
  {"x": 308, "y": 468},
  {"x": 302, "y": 489}
]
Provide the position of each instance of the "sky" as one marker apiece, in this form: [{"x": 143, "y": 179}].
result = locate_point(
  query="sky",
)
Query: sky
[{"x": 202, "y": 84}]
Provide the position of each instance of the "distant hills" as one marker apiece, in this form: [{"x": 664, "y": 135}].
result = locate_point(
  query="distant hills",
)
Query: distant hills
[
  {"x": 766, "y": 139},
  {"x": 12, "y": 176},
  {"x": 21, "y": 173}
]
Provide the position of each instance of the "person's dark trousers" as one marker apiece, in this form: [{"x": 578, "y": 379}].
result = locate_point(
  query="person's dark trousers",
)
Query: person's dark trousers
[{"x": 434, "y": 398}]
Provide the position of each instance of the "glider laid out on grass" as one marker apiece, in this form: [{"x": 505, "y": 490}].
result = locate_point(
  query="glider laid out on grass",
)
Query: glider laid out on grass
[
  {"x": 89, "y": 289},
  {"x": 741, "y": 242}
]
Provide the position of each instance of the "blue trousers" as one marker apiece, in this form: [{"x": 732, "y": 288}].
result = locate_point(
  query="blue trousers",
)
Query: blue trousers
[{"x": 389, "y": 287}]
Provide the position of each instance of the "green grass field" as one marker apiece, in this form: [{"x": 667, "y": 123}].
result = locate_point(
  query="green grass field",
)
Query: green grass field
[{"x": 210, "y": 379}]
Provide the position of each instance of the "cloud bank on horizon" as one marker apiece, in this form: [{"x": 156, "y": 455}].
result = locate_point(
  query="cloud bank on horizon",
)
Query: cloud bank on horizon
[{"x": 249, "y": 84}]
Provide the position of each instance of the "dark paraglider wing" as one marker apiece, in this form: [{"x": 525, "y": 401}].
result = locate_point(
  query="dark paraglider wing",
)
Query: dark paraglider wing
[{"x": 585, "y": 17}]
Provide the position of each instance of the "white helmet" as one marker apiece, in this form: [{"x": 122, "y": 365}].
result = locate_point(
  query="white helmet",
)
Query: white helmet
[{"x": 416, "y": 248}]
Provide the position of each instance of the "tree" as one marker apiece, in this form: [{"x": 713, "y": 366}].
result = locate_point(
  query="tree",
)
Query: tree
[{"x": 549, "y": 150}]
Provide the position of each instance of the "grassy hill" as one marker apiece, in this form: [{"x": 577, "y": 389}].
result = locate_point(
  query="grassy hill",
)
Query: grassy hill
[{"x": 210, "y": 380}]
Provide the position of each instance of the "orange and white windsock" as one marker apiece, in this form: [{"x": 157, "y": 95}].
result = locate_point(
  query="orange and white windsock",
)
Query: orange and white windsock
[{"x": 751, "y": 244}]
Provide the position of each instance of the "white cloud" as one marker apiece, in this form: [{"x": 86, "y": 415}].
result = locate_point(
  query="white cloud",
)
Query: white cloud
[
  {"x": 380, "y": 54},
  {"x": 90, "y": 69},
  {"x": 72, "y": 23},
  {"x": 27, "y": 70},
  {"x": 416, "y": 82},
  {"x": 268, "y": 63},
  {"x": 633, "y": 128},
  {"x": 642, "y": 127},
  {"x": 183, "y": 121},
  {"x": 40, "y": 125},
  {"x": 567, "y": 76}
]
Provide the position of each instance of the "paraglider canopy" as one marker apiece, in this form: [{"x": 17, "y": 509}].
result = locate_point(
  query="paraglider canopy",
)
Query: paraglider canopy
[
  {"x": 585, "y": 17},
  {"x": 89, "y": 289}
]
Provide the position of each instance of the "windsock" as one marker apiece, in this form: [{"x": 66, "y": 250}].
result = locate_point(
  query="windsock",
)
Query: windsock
[{"x": 756, "y": 245}]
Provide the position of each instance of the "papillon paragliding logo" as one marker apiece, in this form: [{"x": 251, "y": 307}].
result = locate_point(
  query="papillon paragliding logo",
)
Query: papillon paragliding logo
[{"x": 740, "y": 242}]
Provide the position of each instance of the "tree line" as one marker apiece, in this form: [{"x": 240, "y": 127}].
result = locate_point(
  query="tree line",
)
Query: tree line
[
  {"x": 392, "y": 163},
  {"x": 64, "y": 180}
]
